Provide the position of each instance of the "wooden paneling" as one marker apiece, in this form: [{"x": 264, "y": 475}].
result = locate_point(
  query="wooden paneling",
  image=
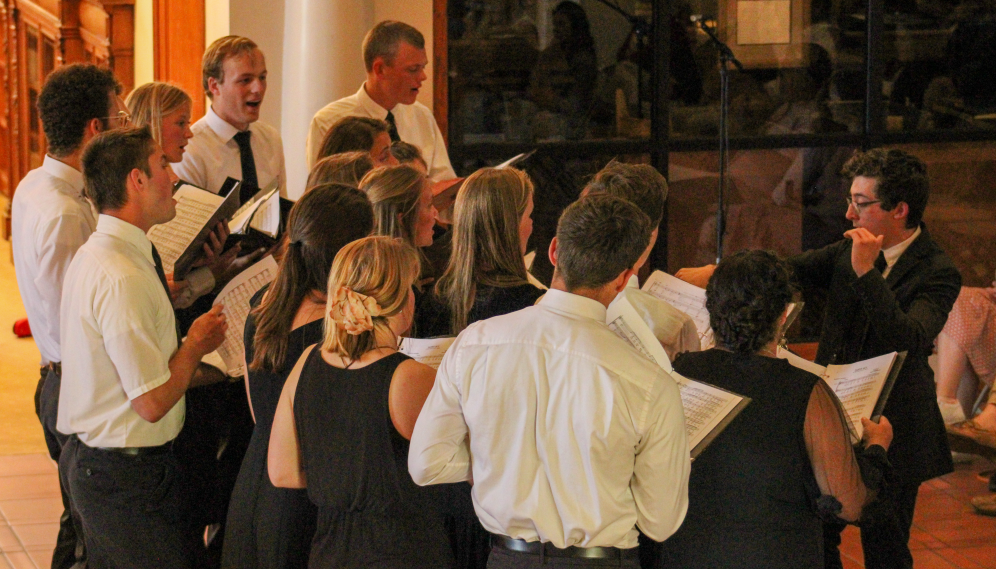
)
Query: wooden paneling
[
  {"x": 121, "y": 35},
  {"x": 178, "y": 46},
  {"x": 440, "y": 68}
]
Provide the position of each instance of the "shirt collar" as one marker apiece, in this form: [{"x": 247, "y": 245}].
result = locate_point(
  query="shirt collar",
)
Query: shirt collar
[
  {"x": 893, "y": 253},
  {"x": 633, "y": 282},
  {"x": 64, "y": 172},
  {"x": 131, "y": 234},
  {"x": 373, "y": 107},
  {"x": 220, "y": 126},
  {"x": 569, "y": 303}
]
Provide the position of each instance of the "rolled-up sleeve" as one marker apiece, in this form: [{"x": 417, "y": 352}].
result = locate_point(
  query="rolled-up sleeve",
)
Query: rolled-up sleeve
[{"x": 439, "y": 451}]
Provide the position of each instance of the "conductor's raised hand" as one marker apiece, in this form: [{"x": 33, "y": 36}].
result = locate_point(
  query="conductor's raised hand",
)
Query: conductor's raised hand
[
  {"x": 698, "y": 276},
  {"x": 864, "y": 250},
  {"x": 208, "y": 331},
  {"x": 879, "y": 433}
]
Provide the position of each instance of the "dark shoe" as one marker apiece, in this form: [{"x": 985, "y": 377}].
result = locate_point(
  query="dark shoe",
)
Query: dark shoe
[
  {"x": 985, "y": 505},
  {"x": 969, "y": 430}
]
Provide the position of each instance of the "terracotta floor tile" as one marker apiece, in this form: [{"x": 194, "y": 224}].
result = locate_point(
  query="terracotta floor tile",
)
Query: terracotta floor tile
[
  {"x": 21, "y": 464},
  {"x": 20, "y": 560},
  {"x": 29, "y": 486},
  {"x": 927, "y": 539},
  {"x": 8, "y": 540},
  {"x": 32, "y": 510},
  {"x": 41, "y": 557},
  {"x": 929, "y": 559},
  {"x": 955, "y": 557},
  {"x": 36, "y": 536},
  {"x": 984, "y": 555}
]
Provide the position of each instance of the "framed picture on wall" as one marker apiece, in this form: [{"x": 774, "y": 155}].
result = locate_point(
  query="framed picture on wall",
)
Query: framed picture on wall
[{"x": 765, "y": 33}]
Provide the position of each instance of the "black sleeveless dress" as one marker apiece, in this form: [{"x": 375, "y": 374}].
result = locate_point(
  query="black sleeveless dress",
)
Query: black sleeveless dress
[
  {"x": 752, "y": 493},
  {"x": 370, "y": 512},
  {"x": 268, "y": 527}
]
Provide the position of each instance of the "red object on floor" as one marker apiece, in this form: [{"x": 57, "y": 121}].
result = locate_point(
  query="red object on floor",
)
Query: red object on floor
[{"x": 22, "y": 329}]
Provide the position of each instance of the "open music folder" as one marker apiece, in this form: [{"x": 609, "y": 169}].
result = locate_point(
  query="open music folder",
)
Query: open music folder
[
  {"x": 428, "y": 351},
  {"x": 863, "y": 387},
  {"x": 180, "y": 240},
  {"x": 236, "y": 296},
  {"x": 708, "y": 409}
]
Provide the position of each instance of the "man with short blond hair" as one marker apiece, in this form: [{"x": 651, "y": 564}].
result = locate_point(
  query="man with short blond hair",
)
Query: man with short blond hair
[{"x": 395, "y": 60}]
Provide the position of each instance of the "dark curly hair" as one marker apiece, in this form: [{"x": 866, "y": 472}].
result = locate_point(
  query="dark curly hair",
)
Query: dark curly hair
[
  {"x": 901, "y": 177},
  {"x": 72, "y": 96},
  {"x": 746, "y": 295}
]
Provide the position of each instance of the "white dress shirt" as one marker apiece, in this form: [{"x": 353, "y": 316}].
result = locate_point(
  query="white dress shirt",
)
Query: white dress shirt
[
  {"x": 213, "y": 155},
  {"x": 415, "y": 124},
  {"x": 118, "y": 335},
  {"x": 893, "y": 253},
  {"x": 51, "y": 220},
  {"x": 674, "y": 329},
  {"x": 574, "y": 437}
]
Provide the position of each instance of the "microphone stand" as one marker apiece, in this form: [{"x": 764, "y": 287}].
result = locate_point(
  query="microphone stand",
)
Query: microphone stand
[
  {"x": 641, "y": 28},
  {"x": 725, "y": 58}
]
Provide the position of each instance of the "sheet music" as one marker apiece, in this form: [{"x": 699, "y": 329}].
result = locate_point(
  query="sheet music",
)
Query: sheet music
[
  {"x": 194, "y": 208},
  {"x": 267, "y": 217},
  {"x": 687, "y": 298},
  {"x": 515, "y": 159},
  {"x": 705, "y": 407},
  {"x": 801, "y": 363},
  {"x": 626, "y": 322},
  {"x": 858, "y": 387},
  {"x": 245, "y": 213},
  {"x": 427, "y": 351},
  {"x": 529, "y": 258},
  {"x": 235, "y": 296}
]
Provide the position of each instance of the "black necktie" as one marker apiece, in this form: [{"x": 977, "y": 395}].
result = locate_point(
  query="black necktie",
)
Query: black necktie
[
  {"x": 393, "y": 131},
  {"x": 881, "y": 263},
  {"x": 250, "y": 185},
  {"x": 161, "y": 271}
]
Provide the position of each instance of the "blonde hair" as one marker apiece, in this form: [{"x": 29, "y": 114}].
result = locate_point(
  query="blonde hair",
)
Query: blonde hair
[
  {"x": 381, "y": 268},
  {"x": 486, "y": 247},
  {"x": 213, "y": 62},
  {"x": 346, "y": 168},
  {"x": 395, "y": 192},
  {"x": 149, "y": 104}
]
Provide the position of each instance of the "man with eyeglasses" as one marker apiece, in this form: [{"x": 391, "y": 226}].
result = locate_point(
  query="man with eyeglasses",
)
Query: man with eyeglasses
[
  {"x": 890, "y": 288},
  {"x": 51, "y": 219}
]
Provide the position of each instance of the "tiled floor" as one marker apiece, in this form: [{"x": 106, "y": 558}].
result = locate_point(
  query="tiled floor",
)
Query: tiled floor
[{"x": 946, "y": 534}]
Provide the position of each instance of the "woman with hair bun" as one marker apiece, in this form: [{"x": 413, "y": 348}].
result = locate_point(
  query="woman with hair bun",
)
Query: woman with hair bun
[
  {"x": 760, "y": 494},
  {"x": 346, "y": 415},
  {"x": 268, "y": 526}
]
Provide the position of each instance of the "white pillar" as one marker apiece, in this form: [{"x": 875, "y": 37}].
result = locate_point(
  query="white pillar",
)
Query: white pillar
[{"x": 322, "y": 62}]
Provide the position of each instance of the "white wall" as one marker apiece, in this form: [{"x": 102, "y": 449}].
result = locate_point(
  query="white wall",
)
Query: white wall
[{"x": 417, "y": 13}]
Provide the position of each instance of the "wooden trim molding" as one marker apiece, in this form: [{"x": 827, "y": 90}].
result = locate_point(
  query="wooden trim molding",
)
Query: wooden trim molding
[
  {"x": 121, "y": 34},
  {"x": 177, "y": 46},
  {"x": 440, "y": 68}
]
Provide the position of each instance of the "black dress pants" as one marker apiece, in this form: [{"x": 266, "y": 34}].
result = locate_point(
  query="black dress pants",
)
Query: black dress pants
[
  {"x": 69, "y": 543},
  {"x": 130, "y": 507},
  {"x": 885, "y": 535}
]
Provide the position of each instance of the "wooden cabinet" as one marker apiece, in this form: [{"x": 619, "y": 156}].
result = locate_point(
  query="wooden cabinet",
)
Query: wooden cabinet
[{"x": 37, "y": 37}]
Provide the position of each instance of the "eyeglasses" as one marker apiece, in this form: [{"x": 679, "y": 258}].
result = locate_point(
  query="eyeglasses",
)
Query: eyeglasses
[
  {"x": 123, "y": 118},
  {"x": 860, "y": 206}
]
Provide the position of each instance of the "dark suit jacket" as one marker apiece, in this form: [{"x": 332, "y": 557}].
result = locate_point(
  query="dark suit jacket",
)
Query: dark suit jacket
[{"x": 870, "y": 316}]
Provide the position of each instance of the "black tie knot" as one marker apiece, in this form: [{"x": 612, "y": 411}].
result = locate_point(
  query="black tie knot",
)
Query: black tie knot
[
  {"x": 393, "y": 130},
  {"x": 881, "y": 263}
]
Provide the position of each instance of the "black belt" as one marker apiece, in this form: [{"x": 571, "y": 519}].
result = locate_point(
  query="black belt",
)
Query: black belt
[
  {"x": 546, "y": 549},
  {"x": 138, "y": 451},
  {"x": 53, "y": 366}
]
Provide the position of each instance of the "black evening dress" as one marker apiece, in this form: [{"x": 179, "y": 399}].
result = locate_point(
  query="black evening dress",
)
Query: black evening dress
[
  {"x": 471, "y": 543},
  {"x": 268, "y": 527},
  {"x": 752, "y": 492},
  {"x": 370, "y": 512}
]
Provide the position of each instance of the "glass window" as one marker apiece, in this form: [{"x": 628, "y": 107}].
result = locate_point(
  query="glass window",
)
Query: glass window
[
  {"x": 804, "y": 67},
  {"x": 937, "y": 64}
]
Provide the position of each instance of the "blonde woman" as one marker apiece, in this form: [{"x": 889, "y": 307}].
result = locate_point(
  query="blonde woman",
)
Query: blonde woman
[
  {"x": 345, "y": 168},
  {"x": 346, "y": 413},
  {"x": 486, "y": 275},
  {"x": 402, "y": 200}
]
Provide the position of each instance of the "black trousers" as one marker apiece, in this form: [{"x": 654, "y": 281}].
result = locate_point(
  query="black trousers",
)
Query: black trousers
[
  {"x": 130, "y": 507},
  {"x": 885, "y": 536},
  {"x": 69, "y": 543},
  {"x": 502, "y": 558}
]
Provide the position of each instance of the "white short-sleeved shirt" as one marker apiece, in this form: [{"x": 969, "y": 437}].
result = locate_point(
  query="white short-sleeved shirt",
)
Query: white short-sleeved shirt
[
  {"x": 415, "y": 124},
  {"x": 574, "y": 437},
  {"x": 213, "y": 155},
  {"x": 50, "y": 220},
  {"x": 118, "y": 335}
]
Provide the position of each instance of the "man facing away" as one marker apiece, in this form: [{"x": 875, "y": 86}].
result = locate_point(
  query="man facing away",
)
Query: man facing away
[
  {"x": 891, "y": 287},
  {"x": 230, "y": 140},
  {"x": 573, "y": 440},
  {"x": 395, "y": 59},
  {"x": 52, "y": 219},
  {"x": 122, "y": 399}
]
